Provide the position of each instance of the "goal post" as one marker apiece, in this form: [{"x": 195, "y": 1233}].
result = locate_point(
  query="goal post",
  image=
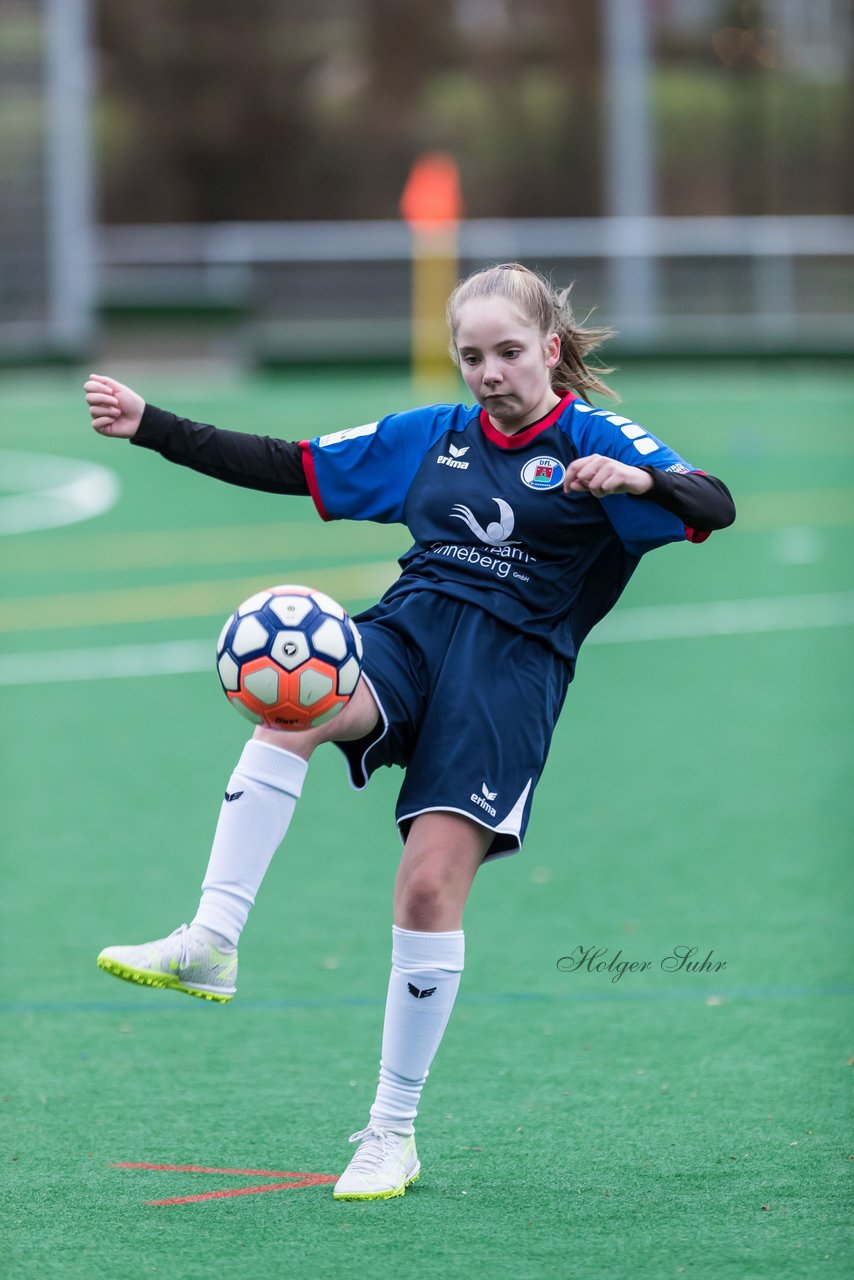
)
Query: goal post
[{"x": 46, "y": 198}]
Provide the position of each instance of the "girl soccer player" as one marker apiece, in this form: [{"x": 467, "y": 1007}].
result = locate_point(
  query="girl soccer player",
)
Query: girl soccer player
[{"x": 529, "y": 512}]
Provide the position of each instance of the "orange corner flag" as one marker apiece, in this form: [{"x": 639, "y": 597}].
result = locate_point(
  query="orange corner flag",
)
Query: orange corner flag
[{"x": 432, "y": 195}]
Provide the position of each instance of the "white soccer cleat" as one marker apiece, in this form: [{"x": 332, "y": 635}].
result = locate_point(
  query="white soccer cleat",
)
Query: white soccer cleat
[
  {"x": 181, "y": 962},
  {"x": 384, "y": 1166}
]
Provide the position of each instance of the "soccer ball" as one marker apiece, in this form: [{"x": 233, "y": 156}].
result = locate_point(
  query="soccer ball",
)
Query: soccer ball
[{"x": 289, "y": 657}]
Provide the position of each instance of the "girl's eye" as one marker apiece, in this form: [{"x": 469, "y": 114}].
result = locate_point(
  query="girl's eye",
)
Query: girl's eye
[
  {"x": 511, "y": 354},
  {"x": 469, "y": 359}
]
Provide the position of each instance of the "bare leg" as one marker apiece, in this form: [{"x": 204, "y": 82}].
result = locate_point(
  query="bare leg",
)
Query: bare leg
[
  {"x": 442, "y": 854},
  {"x": 356, "y": 721}
]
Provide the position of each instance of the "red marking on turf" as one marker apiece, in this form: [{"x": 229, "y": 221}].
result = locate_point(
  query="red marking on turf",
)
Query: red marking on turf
[
  {"x": 297, "y": 1180},
  {"x": 311, "y": 1180}
]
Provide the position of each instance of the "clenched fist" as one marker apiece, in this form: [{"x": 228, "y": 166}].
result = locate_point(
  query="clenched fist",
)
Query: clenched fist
[
  {"x": 601, "y": 477},
  {"x": 114, "y": 408}
]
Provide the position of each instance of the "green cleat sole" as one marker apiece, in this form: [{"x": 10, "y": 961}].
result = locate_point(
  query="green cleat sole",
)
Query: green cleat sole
[
  {"x": 378, "y": 1195},
  {"x": 144, "y": 978}
]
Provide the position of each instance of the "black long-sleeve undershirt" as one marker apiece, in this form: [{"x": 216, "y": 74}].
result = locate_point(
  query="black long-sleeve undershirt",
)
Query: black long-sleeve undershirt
[
  {"x": 253, "y": 462},
  {"x": 275, "y": 466},
  {"x": 699, "y": 500}
]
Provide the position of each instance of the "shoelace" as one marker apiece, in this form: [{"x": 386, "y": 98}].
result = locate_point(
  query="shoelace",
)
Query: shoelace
[
  {"x": 369, "y": 1156},
  {"x": 182, "y": 931}
]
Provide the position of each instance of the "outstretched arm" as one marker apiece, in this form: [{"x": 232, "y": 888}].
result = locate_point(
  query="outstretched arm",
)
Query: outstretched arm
[
  {"x": 115, "y": 409},
  {"x": 252, "y": 462}
]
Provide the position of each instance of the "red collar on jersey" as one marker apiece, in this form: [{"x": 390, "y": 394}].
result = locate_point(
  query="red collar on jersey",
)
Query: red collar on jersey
[{"x": 524, "y": 437}]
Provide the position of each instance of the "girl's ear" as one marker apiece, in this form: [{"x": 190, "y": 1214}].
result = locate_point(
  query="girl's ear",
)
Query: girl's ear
[{"x": 552, "y": 351}]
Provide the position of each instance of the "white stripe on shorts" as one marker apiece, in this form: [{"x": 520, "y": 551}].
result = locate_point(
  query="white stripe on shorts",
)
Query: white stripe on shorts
[{"x": 509, "y": 826}]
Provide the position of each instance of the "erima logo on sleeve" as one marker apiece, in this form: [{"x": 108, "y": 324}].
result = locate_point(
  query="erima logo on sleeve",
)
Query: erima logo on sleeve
[{"x": 453, "y": 456}]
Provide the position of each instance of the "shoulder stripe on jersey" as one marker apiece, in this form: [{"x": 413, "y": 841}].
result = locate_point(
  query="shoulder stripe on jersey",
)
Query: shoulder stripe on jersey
[
  {"x": 349, "y": 433},
  {"x": 311, "y": 479},
  {"x": 523, "y": 438}
]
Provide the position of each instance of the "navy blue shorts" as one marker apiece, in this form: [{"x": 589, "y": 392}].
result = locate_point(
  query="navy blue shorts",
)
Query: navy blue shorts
[{"x": 468, "y": 708}]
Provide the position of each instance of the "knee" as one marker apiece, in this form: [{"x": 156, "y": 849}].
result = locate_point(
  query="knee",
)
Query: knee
[
  {"x": 421, "y": 901},
  {"x": 442, "y": 854}
]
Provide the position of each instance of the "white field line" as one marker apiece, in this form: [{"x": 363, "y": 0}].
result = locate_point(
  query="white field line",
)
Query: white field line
[
  {"x": 726, "y": 618},
  {"x": 627, "y": 626}
]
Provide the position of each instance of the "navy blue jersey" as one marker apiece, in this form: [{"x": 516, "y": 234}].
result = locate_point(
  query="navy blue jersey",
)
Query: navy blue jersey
[{"x": 490, "y": 522}]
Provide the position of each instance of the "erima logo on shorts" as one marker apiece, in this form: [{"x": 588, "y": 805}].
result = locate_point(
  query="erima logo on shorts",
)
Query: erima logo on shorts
[
  {"x": 453, "y": 460},
  {"x": 543, "y": 473},
  {"x": 482, "y": 801}
]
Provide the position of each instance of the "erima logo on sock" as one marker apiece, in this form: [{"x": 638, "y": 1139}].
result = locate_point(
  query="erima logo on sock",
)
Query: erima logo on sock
[
  {"x": 233, "y": 795},
  {"x": 420, "y": 995}
]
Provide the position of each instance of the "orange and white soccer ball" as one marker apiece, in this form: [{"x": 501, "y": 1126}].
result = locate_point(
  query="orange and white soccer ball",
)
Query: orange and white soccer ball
[{"x": 289, "y": 657}]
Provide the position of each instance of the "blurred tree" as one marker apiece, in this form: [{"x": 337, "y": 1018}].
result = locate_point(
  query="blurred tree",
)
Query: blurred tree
[
  {"x": 285, "y": 109},
  {"x": 204, "y": 109},
  {"x": 399, "y": 46},
  {"x": 290, "y": 111},
  {"x": 749, "y": 120}
]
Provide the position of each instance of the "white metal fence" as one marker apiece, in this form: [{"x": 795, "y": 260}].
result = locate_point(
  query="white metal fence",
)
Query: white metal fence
[
  {"x": 314, "y": 290},
  {"x": 303, "y": 289}
]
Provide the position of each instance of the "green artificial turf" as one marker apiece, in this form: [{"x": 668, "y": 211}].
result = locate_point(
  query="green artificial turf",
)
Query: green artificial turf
[{"x": 576, "y": 1123}]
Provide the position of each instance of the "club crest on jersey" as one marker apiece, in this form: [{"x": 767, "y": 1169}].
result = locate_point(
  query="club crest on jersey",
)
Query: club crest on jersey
[{"x": 543, "y": 473}]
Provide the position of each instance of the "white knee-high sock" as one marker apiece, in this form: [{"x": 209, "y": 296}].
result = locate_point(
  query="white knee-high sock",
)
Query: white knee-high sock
[
  {"x": 259, "y": 803},
  {"x": 425, "y": 977}
]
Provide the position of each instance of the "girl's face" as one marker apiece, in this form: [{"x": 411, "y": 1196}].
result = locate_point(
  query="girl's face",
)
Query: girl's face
[{"x": 506, "y": 362}]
